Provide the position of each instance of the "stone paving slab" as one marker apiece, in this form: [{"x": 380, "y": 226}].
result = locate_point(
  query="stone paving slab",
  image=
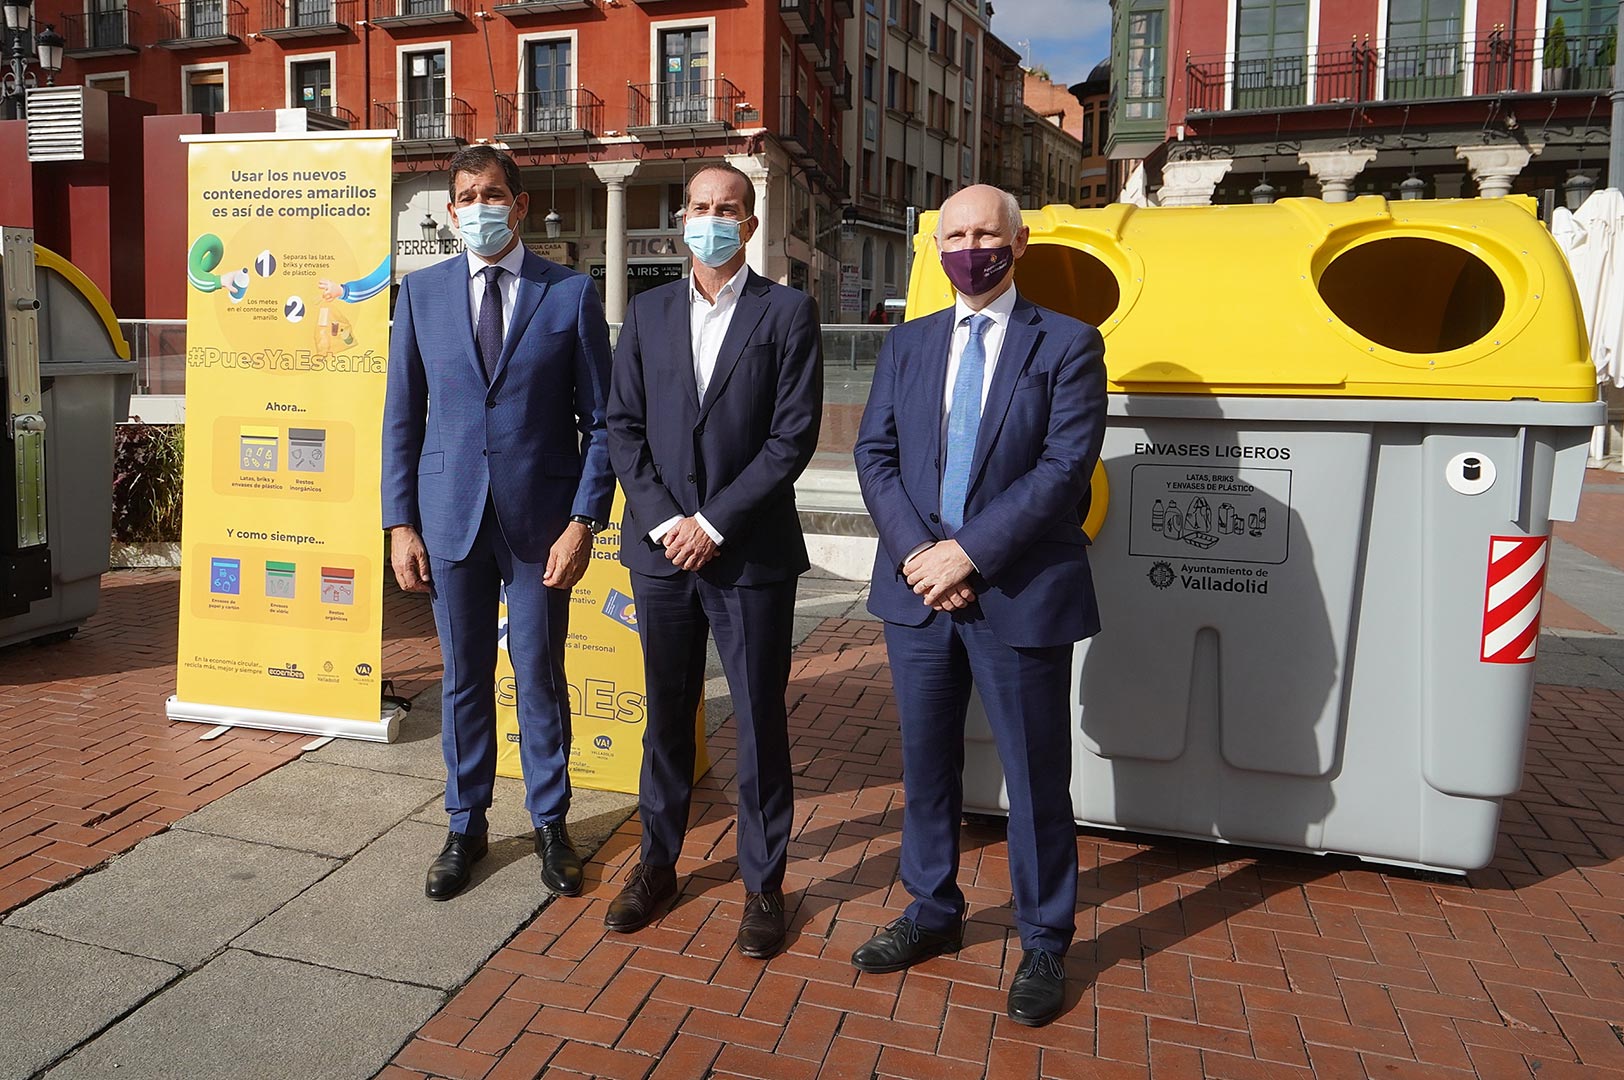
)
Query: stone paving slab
[
  {"x": 178, "y": 897},
  {"x": 253, "y": 1017},
  {"x": 59, "y": 993},
  {"x": 415, "y": 752},
  {"x": 316, "y": 807},
  {"x": 371, "y": 916}
]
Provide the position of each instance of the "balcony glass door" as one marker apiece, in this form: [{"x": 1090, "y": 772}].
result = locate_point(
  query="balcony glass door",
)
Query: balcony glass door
[
  {"x": 107, "y": 24},
  {"x": 1425, "y": 49},
  {"x": 311, "y": 12},
  {"x": 1271, "y": 53},
  {"x": 313, "y": 86},
  {"x": 205, "y": 18},
  {"x": 1582, "y": 57},
  {"x": 424, "y": 110},
  {"x": 685, "y": 76},
  {"x": 548, "y": 104}
]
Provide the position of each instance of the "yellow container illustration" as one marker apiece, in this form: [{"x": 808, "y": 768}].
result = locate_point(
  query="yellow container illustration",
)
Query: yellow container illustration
[{"x": 1456, "y": 298}]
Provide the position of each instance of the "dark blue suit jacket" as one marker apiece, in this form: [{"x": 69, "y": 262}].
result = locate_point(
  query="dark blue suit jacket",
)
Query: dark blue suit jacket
[
  {"x": 1040, "y": 436},
  {"x": 734, "y": 456},
  {"x": 532, "y": 439}
]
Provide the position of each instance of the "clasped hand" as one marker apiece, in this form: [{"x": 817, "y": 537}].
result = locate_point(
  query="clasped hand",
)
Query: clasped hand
[
  {"x": 688, "y": 545},
  {"x": 939, "y": 576}
]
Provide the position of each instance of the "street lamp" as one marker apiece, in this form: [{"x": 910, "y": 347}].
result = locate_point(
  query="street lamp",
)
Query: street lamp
[
  {"x": 553, "y": 222},
  {"x": 16, "y": 80},
  {"x": 430, "y": 227}
]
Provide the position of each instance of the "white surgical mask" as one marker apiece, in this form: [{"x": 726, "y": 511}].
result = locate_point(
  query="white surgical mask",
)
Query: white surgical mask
[{"x": 484, "y": 227}]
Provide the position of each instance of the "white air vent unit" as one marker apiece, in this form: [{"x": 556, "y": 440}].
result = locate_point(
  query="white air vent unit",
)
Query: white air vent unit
[{"x": 67, "y": 123}]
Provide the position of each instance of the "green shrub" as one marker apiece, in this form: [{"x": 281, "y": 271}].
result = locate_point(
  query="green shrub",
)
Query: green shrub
[
  {"x": 147, "y": 464},
  {"x": 1556, "y": 45}
]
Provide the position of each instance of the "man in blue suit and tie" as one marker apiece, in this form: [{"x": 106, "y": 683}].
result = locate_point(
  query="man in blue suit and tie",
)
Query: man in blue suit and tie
[
  {"x": 976, "y": 448},
  {"x": 714, "y": 412},
  {"x": 496, "y": 476}
]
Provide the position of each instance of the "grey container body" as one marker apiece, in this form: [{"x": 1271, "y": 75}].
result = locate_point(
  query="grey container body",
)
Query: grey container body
[{"x": 1296, "y": 605}]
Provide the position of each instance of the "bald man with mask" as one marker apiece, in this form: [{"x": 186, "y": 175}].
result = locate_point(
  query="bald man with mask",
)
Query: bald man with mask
[{"x": 976, "y": 448}]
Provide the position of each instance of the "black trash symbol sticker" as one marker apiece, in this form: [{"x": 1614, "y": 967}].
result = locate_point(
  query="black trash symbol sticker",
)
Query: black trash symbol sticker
[{"x": 1471, "y": 473}]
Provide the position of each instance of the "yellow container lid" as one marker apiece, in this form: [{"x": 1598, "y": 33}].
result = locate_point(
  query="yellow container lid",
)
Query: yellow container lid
[{"x": 1455, "y": 298}]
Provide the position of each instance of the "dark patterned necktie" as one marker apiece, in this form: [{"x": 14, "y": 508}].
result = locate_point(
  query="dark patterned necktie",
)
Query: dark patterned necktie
[{"x": 490, "y": 322}]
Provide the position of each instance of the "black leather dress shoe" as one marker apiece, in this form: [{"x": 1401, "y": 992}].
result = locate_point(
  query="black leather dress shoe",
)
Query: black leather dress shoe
[
  {"x": 560, "y": 865},
  {"x": 761, "y": 927},
  {"x": 903, "y": 944},
  {"x": 647, "y": 891},
  {"x": 450, "y": 870},
  {"x": 1039, "y": 989}
]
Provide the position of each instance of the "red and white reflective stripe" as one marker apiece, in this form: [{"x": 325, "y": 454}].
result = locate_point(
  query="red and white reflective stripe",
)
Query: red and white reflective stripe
[{"x": 1512, "y": 599}]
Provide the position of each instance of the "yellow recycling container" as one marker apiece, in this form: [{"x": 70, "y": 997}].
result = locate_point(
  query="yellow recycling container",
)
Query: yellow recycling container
[{"x": 1337, "y": 437}]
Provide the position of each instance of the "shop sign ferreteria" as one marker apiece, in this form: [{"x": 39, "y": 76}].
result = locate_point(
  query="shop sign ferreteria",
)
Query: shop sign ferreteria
[{"x": 559, "y": 251}]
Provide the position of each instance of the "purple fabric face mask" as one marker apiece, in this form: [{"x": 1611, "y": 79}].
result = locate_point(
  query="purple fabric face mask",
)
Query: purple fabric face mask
[{"x": 977, "y": 270}]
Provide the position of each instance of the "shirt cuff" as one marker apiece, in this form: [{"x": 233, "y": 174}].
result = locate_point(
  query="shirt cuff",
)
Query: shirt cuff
[
  {"x": 927, "y": 545},
  {"x": 657, "y": 534},
  {"x": 716, "y": 537}
]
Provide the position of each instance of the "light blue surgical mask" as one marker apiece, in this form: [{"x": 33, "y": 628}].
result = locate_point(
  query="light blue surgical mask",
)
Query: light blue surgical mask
[
  {"x": 713, "y": 240},
  {"x": 484, "y": 227}
]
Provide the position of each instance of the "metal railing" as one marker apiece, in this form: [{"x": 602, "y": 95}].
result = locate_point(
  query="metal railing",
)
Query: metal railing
[
  {"x": 549, "y": 111},
  {"x": 712, "y": 102},
  {"x": 427, "y": 119},
  {"x": 1501, "y": 61},
  {"x": 90, "y": 31},
  {"x": 306, "y": 14},
  {"x": 201, "y": 20},
  {"x": 427, "y": 10}
]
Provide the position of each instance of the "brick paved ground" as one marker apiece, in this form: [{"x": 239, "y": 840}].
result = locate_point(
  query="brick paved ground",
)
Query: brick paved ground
[
  {"x": 1191, "y": 959},
  {"x": 89, "y": 766}
]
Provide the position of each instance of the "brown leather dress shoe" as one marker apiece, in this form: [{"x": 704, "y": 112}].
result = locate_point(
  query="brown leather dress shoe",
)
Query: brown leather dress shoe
[
  {"x": 646, "y": 892},
  {"x": 761, "y": 927}
]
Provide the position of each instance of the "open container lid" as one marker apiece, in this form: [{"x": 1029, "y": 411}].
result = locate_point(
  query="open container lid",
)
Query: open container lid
[{"x": 1458, "y": 298}]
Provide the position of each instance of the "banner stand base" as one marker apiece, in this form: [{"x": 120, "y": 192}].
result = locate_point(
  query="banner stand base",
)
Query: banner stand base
[{"x": 385, "y": 729}]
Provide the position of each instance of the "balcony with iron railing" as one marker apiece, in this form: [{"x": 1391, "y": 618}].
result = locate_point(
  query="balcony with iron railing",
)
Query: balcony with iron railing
[
  {"x": 549, "y": 117},
  {"x": 706, "y": 107},
  {"x": 795, "y": 125},
  {"x": 199, "y": 24},
  {"x": 331, "y": 117},
  {"x": 399, "y": 13},
  {"x": 543, "y": 7},
  {"x": 841, "y": 95},
  {"x": 284, "y": 19},
  {"x": 1499, "y": 62},
  {"x": 427, "y": 123},
  {"x": 100, "y": 33}
]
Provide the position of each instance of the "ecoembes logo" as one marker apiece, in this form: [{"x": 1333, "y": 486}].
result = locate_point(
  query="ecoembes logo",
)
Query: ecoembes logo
[{"x": 290, "y": 672}]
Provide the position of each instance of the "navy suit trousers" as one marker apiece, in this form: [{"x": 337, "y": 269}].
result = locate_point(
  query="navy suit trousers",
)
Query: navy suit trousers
[
  {"x": 465, "y": 595},
  {"x": 1026, "y": 695},
  {"x": 754, "y": 628}
]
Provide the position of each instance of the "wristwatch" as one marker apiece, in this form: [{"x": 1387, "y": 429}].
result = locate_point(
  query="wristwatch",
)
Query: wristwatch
[{"x": 593, "y": 527}]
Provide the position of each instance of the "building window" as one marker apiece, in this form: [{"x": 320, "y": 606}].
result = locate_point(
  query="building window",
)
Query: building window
[
  {"x": 545, "y": 198},
  {"x": 424, "y": 107},
  {"x": 1583, "y": 55},
  {"x": 1146, "y": 68},
  {"x": 1271, "y": 53},
  {"x": 868, "y": 172},
  {"x": 548, "y": 85},
  {"x": 117, "y": 82},
  {"x": 310, "y": 82},
  {"x": 1088, "y": 132},
  {"x": 685, "y": 75},
  {"x": 868, "y": 78},
  {"x": 893, "y": 80},
  {"x": 935, "y": 34},
  {"x": 1424, "y": 51},
  {"x": 893, "y": 11},
  {"x": 969, "y": 54},
  {"x": 205, "y": 89}
]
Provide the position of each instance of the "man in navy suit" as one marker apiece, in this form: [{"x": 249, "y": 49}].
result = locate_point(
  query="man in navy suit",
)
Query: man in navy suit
[
  {"x": 714, "y": 411},
  {"x": 976, "y": 448},
  {"x": 496, "y": 476}
]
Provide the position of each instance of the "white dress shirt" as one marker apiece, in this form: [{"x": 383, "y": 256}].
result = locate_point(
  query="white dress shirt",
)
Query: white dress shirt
[
  {"x": 512, "y": 262},
  {"x": 992, "y": 343},
  {"x": 707, "y": 326}
]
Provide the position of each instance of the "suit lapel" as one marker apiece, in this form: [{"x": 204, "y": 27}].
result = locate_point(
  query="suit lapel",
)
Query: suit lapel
[
  {"x": 532, "y": 287},
  {"x": 462, "y": 290},
  {"x": 747, "y": 314},
  {"x": 927, "y": 380},
  {"x": 1019, "y": 339},
  {"x": 680, "y": 338}
]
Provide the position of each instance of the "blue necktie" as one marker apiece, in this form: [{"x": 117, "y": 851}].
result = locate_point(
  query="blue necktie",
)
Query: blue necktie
[
  {"x": 963, "y": 422},
  {"x": 490, "y": 322}
]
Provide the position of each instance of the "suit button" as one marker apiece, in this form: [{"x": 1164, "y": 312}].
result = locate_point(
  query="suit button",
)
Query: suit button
[
  {"x": 935, "y": 520},
  {"x": 690, "y": 478},
  {"x": 700, "y": 430},
  {"x": 484, "y": 453},
  {"x": 490, "y": 404}
]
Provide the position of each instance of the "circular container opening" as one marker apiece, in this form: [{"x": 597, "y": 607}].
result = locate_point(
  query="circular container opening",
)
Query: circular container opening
[
  {"x": 1413, "y": 294},
  {"x": 1069, "y": 281}
]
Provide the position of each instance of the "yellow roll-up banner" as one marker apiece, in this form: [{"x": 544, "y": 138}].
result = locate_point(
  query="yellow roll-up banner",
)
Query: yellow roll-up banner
[
  {"x": 603, "y": 662},
  {"x": 287, "y": 350}
]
